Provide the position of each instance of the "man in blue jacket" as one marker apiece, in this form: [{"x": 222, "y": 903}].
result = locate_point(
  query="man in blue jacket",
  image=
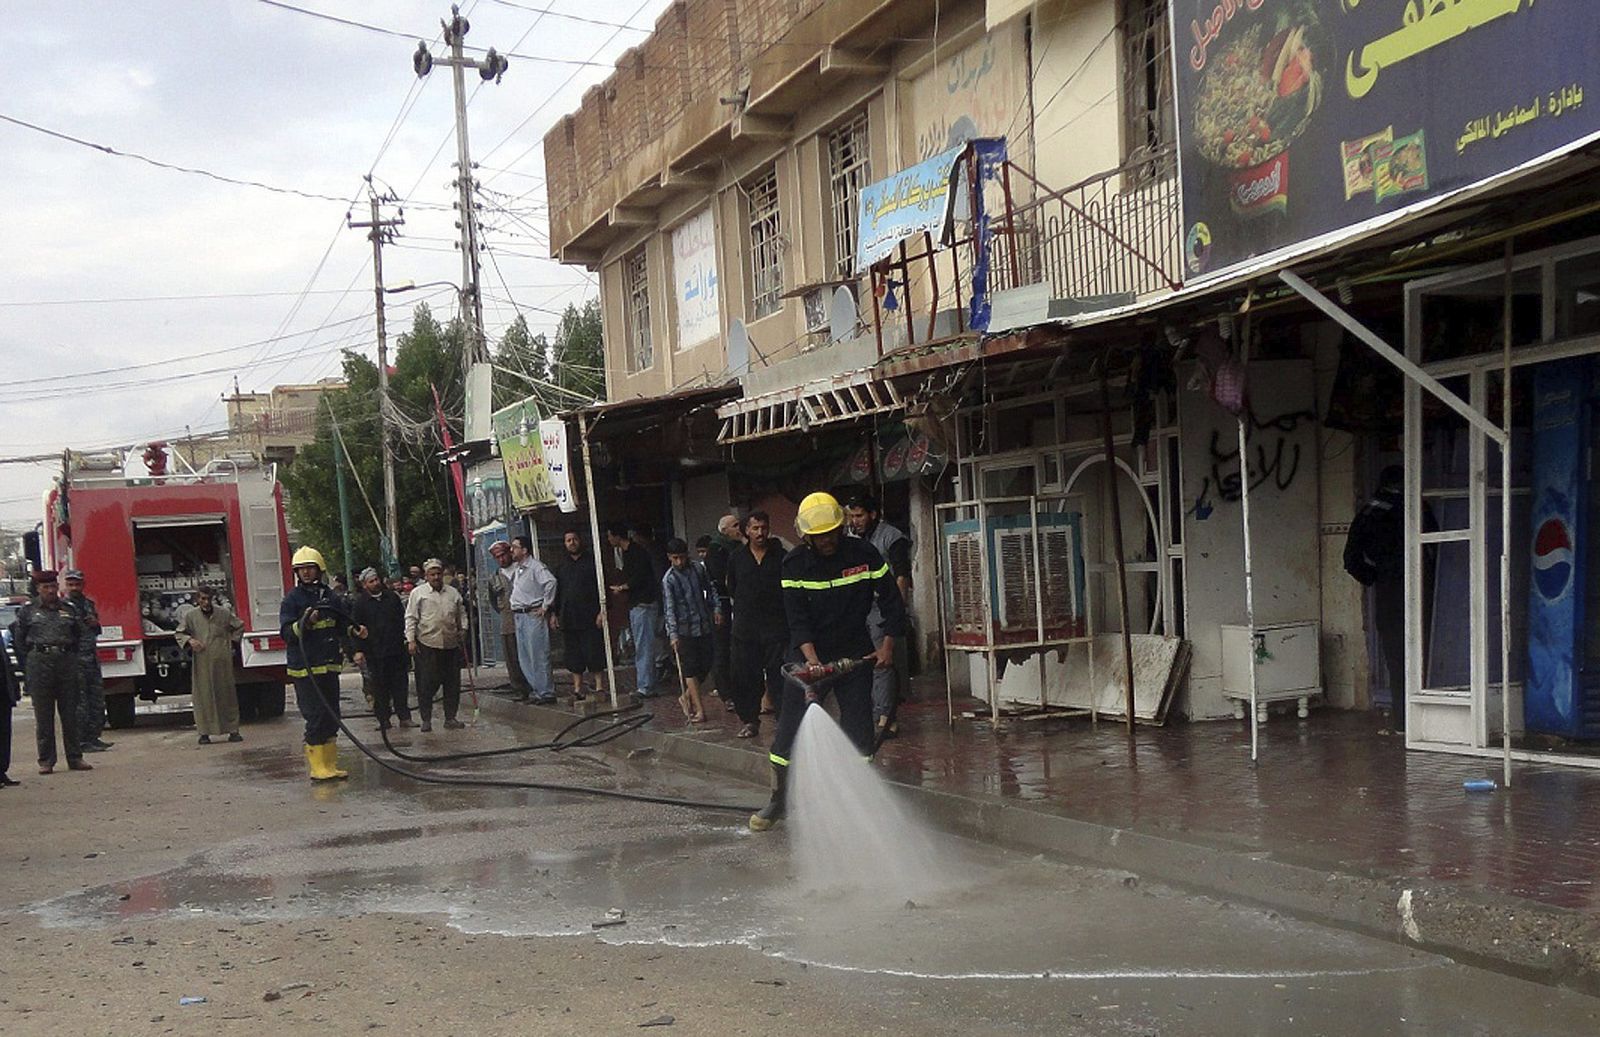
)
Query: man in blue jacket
[{"x": 314, "y": 624}]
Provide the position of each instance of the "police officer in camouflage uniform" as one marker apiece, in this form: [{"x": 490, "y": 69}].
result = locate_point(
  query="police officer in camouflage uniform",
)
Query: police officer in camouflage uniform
[
  {"x": 46, "y": 636},
  {"x": 92, "y": 689}
]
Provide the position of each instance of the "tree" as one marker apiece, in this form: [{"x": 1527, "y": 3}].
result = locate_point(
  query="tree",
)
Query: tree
[
  {"x": 578, "y": 355},
  {"x": 574, "y": 360},
  {"x": 426, "y": 356},
  {"x": 520, "y": 352}
]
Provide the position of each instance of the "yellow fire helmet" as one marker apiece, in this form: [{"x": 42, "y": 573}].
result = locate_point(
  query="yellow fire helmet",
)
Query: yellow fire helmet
[
  {"x": 819, "y": 513},
  {"x": 309, "y": 556}
]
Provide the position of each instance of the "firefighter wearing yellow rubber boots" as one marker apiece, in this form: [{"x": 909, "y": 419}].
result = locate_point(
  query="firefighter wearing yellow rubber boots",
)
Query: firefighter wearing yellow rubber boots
[
  {"x": 314, "y": 624},
  {"x": 830, "y": 583}
]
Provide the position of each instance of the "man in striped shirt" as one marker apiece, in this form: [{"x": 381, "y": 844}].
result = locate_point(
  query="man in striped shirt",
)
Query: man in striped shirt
[{"x": 693, "y": 609}]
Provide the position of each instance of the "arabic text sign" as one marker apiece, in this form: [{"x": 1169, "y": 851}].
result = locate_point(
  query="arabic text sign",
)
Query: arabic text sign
[
  {"x": 553, "y": 440},
  {"x": 1297, "y": 118},
  {"x": 516, "y": 430},
  {"x": 909, "y": 202},
  {"x": 694, "y": 271}
]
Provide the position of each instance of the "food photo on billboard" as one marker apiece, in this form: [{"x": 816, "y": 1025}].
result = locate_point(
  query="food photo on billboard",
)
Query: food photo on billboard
[{"x": 1304, "y": 118}]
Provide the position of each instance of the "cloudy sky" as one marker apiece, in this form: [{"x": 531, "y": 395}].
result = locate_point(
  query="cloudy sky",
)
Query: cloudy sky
[{"x": 131, "y": 296}]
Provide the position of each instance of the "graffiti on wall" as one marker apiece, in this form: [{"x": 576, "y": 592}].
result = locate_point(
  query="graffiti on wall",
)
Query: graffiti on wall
[{"x": 1274, "y": 451}]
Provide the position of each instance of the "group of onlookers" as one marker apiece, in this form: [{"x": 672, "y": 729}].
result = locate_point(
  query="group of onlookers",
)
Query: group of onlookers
[{"x": 701, "y": 618}]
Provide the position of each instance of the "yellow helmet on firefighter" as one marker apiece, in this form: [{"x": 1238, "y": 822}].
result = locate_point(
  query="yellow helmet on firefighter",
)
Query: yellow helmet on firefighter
[
  {"x": 819, "y": 513},
  {"x": 309, "y": 556}
]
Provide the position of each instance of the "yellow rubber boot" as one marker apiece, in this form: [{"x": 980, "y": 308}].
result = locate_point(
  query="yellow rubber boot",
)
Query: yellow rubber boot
[
  {"x": 330, "y": 759},
  {"x": 314, "y": 762},
  {"x": 778, "y": 806}
]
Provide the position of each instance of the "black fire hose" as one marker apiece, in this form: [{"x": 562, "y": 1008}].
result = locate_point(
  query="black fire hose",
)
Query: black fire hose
[
  {"x": 494, "y": 783},
  {"x": 630, "y": 718}
]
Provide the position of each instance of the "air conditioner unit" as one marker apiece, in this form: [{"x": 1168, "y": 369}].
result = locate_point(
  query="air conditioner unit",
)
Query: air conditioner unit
[{"x": 1014, "y": 596}]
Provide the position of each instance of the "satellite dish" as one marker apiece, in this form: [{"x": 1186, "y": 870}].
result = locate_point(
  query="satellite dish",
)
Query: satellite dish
[
  {"x": 738, "y": 346},
  {"x": 842, "y": 314}
]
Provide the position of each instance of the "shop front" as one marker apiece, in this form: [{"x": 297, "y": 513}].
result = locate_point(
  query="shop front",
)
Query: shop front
[{"x": 1541, "y": 391}]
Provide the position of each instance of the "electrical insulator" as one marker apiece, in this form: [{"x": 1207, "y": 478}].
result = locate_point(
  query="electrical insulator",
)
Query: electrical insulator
[
  {"x": 494, "y": 66},
  {"x": 422, "y": 61}
]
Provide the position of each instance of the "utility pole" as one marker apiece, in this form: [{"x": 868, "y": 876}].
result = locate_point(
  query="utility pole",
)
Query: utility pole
[
  {"x": 491, "y": 66},
  {"x": 381, "y": 231},
  {"x": 340, "y": 459}
]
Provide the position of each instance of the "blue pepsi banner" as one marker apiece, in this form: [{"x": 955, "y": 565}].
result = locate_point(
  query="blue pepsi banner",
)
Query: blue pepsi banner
[
  {"x": 1555, "y": 598},
  {"x": 1301, "y": 118}
]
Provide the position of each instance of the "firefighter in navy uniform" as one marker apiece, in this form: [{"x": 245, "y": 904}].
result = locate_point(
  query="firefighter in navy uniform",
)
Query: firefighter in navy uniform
[
  {"x": 830, "y": 584},
  {"x": 46, "y": 636},
  {"x": 314, "y": 624}
]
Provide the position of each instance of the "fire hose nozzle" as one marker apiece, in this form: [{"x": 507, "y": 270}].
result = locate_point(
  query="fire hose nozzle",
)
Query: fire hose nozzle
[{"x": 814, "y": 680}]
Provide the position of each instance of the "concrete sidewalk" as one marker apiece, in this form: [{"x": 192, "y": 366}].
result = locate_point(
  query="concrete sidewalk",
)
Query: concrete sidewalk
[{"x": 1337, "y": 823}]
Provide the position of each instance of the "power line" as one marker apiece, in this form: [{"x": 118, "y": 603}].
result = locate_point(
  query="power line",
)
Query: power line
[
  {"x": 82, "y": 391},
  {"x": 407, "y": 105},
  {"x": 173, "y": 166},
  {"x": 76, "y": 375},
  {"x": 554, "y": 93},
  {"x": 757, "y": 43},
  {"x": 397, "y": 34},
  {"x": 220, "y": 295}
]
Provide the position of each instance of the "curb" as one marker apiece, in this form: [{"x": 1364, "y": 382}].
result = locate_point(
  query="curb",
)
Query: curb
[{"x": 1506, "y": 934}]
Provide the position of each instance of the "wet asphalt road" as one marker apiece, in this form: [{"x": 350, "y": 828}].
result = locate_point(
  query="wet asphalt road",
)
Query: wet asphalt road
[{"x": 1017, "y": 945}]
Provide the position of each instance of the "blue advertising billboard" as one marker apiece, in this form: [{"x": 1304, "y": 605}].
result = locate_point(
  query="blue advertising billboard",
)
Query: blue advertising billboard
[
  {"x": 1302, "y": 118},
  {"x": 1556, "y": 598}
]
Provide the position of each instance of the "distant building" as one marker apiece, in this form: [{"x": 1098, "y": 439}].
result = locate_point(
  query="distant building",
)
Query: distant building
[{"x": 272, "y": 425}]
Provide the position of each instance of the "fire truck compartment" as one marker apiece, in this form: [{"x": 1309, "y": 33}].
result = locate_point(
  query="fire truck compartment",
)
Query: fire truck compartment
[{"x": 175, "y": 556}]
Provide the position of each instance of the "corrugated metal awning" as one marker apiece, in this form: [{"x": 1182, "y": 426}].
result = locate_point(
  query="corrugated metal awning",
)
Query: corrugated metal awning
[
  {"x": 855, "y": 394},
  {"x": 622, "y": 416}
]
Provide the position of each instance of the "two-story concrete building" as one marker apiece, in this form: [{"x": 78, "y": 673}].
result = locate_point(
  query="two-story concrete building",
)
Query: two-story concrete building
[{"x": 1155, "y": 446}]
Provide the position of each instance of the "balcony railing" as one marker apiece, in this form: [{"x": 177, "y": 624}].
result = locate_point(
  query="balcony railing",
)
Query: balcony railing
[
  {"x": 1115, "y": 234},
  {"x": 280, "y": 423}
]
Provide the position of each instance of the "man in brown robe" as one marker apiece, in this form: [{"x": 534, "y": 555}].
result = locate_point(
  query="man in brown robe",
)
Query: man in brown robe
[{"x": 210, "y": 631}]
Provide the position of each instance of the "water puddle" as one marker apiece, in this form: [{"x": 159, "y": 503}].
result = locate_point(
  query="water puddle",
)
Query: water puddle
[{"x": 631, "y": 873}]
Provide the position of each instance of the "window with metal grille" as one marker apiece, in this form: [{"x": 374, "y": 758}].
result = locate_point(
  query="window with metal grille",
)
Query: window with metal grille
[
  {"x": 849, "y": 170},
  {"x": 1149, "y": 117},
  {"x": 766, "y": 243},
  {"x": 636, "y": 311}
]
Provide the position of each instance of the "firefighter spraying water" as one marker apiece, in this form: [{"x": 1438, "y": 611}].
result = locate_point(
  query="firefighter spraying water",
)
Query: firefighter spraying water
[{"x": 830, "y": 584}]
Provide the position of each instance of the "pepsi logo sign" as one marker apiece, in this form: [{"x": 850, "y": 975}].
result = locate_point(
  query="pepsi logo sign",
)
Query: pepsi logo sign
[{"x": 1552, "y": 559}]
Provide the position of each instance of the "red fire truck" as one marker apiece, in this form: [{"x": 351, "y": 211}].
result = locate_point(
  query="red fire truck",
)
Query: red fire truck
[{"x": 145, "y": 545}]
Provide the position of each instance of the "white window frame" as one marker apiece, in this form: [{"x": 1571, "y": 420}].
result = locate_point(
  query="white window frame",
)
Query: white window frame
[
  {"x": 636, "y": 310},
  {"x": 764, "y": 242},
  {"x": 849, "y": 156}
]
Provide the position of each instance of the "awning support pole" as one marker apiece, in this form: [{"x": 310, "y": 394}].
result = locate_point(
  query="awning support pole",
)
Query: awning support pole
[
  {"x": 599, "y": 567},
  {"x": 1113, "y": 485},
  {"x": 1505, "y": 527},
  {"x": 1249, "y": 557},
  {"x": 1394, "y": 356}
]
